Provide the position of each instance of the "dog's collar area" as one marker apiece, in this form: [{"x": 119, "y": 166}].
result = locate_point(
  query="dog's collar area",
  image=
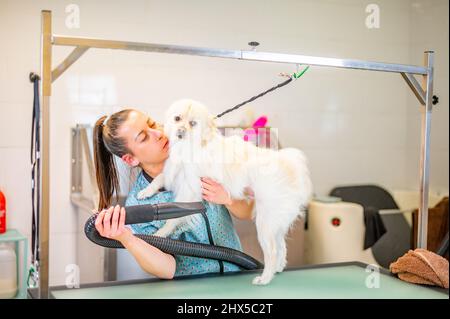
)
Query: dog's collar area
[{"x": 149, "y": 179}]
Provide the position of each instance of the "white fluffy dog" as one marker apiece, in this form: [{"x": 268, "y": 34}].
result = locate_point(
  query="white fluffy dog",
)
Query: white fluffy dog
[{"x": 279, "y": 179}]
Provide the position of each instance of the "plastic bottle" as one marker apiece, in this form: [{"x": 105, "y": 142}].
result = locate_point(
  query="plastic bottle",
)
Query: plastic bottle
[
  {"x": 2, "y": 213},
  {"x": 8, "y": 273}
]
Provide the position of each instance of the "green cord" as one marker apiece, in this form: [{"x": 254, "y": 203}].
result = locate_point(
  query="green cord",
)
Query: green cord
[
  {"x": 30, "y": 275},
  {"x": 300, "y": 73}
]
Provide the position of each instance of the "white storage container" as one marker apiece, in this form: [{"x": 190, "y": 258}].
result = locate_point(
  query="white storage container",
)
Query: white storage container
[
  {"x": 336, "y": 232},
  {"x": 8, "y": 272}
]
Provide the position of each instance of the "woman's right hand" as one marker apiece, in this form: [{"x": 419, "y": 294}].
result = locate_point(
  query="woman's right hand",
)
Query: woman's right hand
[{"x": 110, "y": 223}]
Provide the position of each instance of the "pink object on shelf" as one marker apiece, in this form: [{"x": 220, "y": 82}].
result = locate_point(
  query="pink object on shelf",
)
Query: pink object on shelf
[
  {"x": 260, "y": 122},
  {"x": 254, "y": 133}
]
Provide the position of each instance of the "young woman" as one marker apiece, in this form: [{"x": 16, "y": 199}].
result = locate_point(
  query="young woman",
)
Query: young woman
[{"x": 140, "y": 141}]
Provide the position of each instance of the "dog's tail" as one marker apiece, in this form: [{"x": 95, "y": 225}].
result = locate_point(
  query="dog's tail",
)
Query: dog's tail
[{"x": 299, "y": 163}]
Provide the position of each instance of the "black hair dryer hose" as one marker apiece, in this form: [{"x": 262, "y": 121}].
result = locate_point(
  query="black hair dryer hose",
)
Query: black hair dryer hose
[{"x": 162, "y": 211}]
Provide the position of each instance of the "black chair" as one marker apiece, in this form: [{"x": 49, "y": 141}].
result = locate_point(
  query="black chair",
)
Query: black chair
[
  {"x": 396, "y": 238},
  {"x": 443, "y": 248}
]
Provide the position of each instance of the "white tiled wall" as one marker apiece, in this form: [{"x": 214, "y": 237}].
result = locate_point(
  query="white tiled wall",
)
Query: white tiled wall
[
  {"x": 428, "y": 18},
  {"x": 355, "y": 126}
]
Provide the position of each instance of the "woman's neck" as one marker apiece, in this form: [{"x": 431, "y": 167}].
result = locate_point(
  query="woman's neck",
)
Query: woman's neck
[{"x": 153, "y": 169}]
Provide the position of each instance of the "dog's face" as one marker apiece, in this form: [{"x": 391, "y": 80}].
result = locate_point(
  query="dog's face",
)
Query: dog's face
[{"x": 188, "y": 120}]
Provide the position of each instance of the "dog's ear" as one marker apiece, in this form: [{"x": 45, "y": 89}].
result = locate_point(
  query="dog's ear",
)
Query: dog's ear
[
  {"x": 211, "y": 122},
  {"x": 209, "y": 130}
]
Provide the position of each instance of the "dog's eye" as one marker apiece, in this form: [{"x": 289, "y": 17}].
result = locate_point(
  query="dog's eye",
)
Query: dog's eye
[
  {"x": 192, "y": 123},
  {"x": 177, "y": 118}
]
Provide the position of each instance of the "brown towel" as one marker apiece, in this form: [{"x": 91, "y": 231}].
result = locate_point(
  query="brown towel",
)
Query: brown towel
[
  {"x": 438, "y": 217},
  {"x": 422, "y": 267}
]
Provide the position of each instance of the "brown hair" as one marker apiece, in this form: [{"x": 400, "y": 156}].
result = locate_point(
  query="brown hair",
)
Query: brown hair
[{"x": 106, "y": 144}]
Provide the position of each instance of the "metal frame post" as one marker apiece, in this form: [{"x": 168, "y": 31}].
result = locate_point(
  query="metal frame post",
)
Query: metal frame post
[
  {"x": 425, "y": 151},
  {"x": 46, "y": 75}
]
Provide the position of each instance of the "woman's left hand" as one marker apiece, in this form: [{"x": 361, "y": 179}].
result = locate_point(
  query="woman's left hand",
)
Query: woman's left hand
[{"x": 214, "y": 192}]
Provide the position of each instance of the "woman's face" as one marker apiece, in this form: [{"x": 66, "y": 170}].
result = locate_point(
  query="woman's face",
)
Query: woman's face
[{"x": 145, "y": 140}]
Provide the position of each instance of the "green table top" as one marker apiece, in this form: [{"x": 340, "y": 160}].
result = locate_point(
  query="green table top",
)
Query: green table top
[
  {"x": 11, "y": 235},
  {"x": 334, "y": 281}
]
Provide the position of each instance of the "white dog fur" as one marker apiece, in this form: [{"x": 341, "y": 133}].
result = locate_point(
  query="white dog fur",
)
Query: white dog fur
[{"x": 279, "y": 179}]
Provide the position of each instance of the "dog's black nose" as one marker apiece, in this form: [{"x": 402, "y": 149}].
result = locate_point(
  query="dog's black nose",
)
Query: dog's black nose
[{"x": 180, "y": 132}]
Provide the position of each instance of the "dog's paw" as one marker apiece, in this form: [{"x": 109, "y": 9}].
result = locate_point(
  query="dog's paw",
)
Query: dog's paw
[
  {"x": 262, "y": 280},
  {"x": 161, "y": 233},
  {"x": 144, "y": 194},
  {"x": 281, "y": 266}
]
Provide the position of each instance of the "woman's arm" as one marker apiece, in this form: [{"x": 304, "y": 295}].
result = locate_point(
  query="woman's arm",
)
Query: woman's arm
[
  {"x": 241, "y": 208},
  {"x": 111, "y": 224},
  {"x": 215, "y": 193},
  {"x": 150, "y": 258}
]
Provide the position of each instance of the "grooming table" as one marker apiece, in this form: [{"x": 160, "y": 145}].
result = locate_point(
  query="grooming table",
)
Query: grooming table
[{"x": 339, "y": 280}]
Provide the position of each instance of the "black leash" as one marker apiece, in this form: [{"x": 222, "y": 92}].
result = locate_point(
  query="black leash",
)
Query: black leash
[
  {"x": 289, "y": 80},
  {"x": 35, "y": 158},
  {"x": 254, "y": 98}
]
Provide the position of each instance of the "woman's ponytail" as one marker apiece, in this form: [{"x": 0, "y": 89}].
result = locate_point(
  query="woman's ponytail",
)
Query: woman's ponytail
[
  {"x": 108, "y": 143},
  {"x": 105, "y": 168}
]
